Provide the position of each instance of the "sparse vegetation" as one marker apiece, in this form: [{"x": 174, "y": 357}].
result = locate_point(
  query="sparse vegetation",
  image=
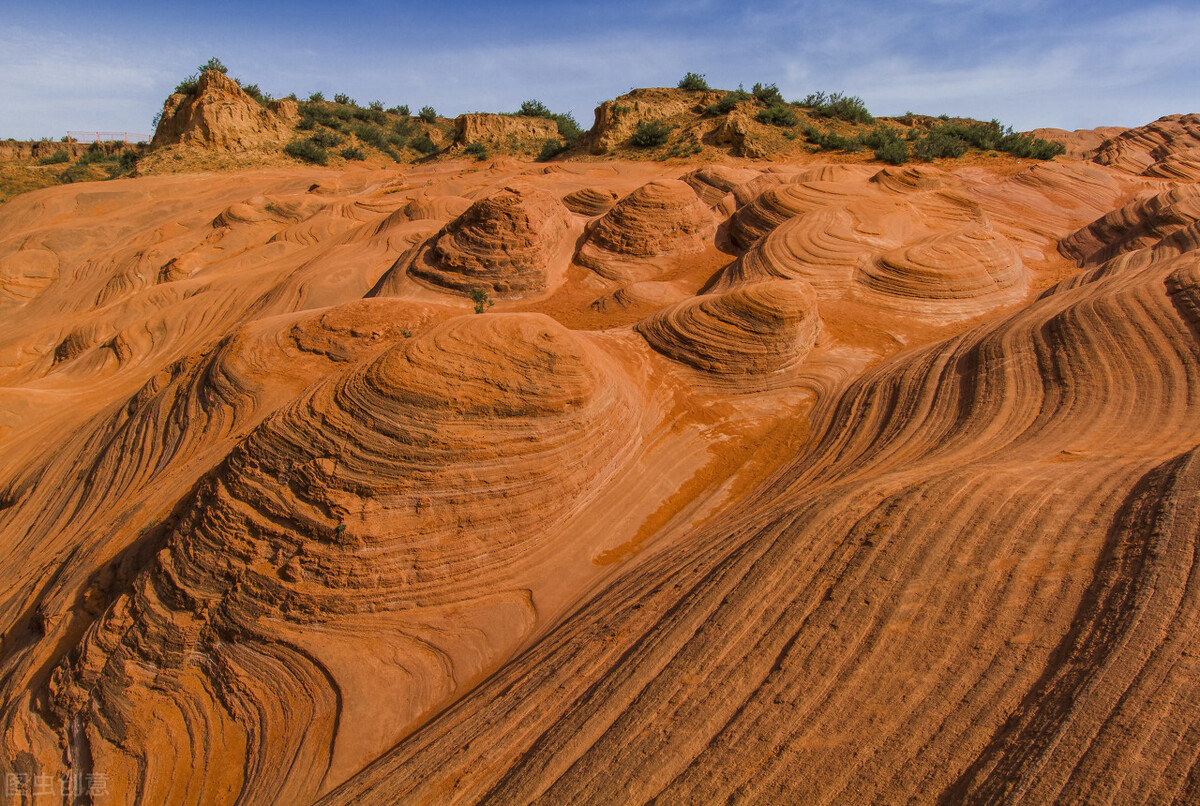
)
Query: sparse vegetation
[
  {"x": 481, "y": 299},
  {"x": 352, "y": 153},
  {"x": 307, "y": 151},
  {"x": 693, "y": 82},
  {"x": 427, "y": 114},
  {"x": 778, "y": 114},
  {"x": 343, "y": 98},
  {"x": 767, "y": 94},
  {"x": 650, "y": 133},
  {"x": 835, "y": 105},
  {"x": 728, "y": 101},
  {"x": 424, "y": 145},
  {"x": 317, "y": 97},
  {"x": 550, "y": 150},
  {"x": 534, "y": 109},
  {"x": 58, "y": 157},
  {"x": 476, "y": 150},
  {"x": 401, "y": 110}
]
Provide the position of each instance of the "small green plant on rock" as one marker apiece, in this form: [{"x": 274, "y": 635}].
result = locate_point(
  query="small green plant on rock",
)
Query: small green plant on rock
[
  {"x": 481, "y": 299},
  {"x": 693, "y": 82},
  {"x": 650, "y": 133}
]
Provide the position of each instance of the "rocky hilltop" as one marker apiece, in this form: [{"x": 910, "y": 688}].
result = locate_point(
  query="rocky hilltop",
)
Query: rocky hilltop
[{"x": 805, "y": 477}]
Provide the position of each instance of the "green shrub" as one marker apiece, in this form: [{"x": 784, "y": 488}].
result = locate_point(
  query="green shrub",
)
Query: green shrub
[
  {"x": 317, "y": 97},
  {"x": 257, "y": 94},
  {"x": 56, "y": 158},
  {"x": 832, "y": 141},
  {"x": 371, "y": 135},
  {"x": 427, "y": 114},
  {"x": 693, "y": 82},
  {"x": 213, "y": 64},
  {"x": 307, "y": 151},
  {"x": 188, "y": 85},
  {"x": 352, "y": 153},
  {"x": 476, "y": 150},
  {"x": 129, "y": 160},
  {"x": 326, "y": 139},
  {"x": 935, "y": 145},
  {"x": 75, "y": 173},
  {"x": 777, "y": 115},
  {"x": 481, "y": 300},
  {"x": 895, "y": 152},
  {"x": 424, "y": 145},
  {"x": 767, "y": 94},
  {"x": 401, "y": 110},
  {"x": 568, "y": 129},
  {"x": 650, "y": 133},
  {"x": 550, "y": 150},
  {"x": 404, "y": 127},
  {"x": 376, "y": 106},
  {"x": 534, "y": 109},
  {"x": 343, "y": 98},
  {"x": 727, "y": 103},
  {"x": 836, "y": 105}
]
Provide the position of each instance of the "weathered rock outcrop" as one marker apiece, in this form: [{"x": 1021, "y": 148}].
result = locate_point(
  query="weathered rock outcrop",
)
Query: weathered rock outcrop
[
  {"x": 221, "y": 117},
  {"x": 616, "y": 120},
  {"x": 494, "y": 130}
]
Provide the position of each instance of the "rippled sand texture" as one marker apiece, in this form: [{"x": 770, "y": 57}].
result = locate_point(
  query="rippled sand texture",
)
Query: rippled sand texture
[{"x": 806, "y": 483}]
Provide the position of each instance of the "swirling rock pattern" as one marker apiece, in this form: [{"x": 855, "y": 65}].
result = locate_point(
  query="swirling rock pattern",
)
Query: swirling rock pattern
[
  {"x": 890, "y": 498},
  {"x": 648, "y": 229},
  {"x": 955, "y": 274},
  {"x": 757, "y": 329},
  {"x": 590, "y": 202},
  {"x": 502, "y": 244},
  {"x": 332, "y": 519}
]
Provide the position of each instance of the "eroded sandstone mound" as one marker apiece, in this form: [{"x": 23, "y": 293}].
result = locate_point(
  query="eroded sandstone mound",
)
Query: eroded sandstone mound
[
  {"x": 220, "y": 116},
  {"x": 646, "y": 232},
  {"x": 758, "y": 328},
  {"x": 502, "y": 244}
]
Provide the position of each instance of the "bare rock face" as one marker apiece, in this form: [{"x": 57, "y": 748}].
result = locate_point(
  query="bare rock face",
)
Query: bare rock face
[
  {"x": 502, "y": 244},
  {"x": 497, "y": 129},
  {"x": 734, "y": 130},
  {"x": 221, "y": 117},
  {"x": 1139, "y": 150},
  {"x": 646, "y": 230}
]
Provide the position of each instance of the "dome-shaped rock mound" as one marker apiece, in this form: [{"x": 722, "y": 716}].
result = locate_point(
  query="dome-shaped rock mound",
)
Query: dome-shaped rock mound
[
  {"x": 645, "y": 232},
  {"x": 956, "y": 274},
  {"x": 822, "y": 248},
  {"x": 503, "y": 244},
  {"x": 713, "y": 183},
  {"x": 330, "y": 544},
  {"x": 753, "y": 330},
  {"x": 775, "y": 205},
  {"x": 590, "y": 202}
]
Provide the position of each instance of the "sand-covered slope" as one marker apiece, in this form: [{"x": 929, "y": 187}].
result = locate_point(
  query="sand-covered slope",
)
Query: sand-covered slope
[{"x": 808, "y": 483}]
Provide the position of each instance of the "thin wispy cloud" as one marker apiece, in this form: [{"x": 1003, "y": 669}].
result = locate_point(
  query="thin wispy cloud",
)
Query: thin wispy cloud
[{"x": 1027, "y": 62}]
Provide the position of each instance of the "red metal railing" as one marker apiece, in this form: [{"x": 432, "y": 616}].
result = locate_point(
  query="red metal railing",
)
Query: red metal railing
[{"x": 97, "y": 137}]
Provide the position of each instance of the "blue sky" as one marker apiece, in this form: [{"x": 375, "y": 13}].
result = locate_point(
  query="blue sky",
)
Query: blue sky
[{"x": 109, "y": 65}]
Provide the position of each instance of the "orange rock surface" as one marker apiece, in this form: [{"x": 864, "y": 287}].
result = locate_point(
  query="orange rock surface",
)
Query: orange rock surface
[{"x": 804, "y": 483}]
